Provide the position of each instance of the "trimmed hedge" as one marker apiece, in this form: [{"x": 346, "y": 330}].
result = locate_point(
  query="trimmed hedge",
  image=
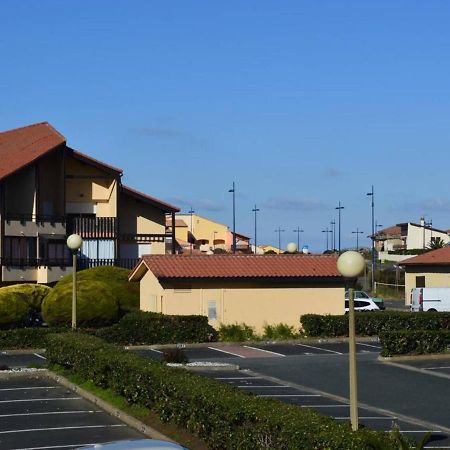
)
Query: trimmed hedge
[
  {"x": 145, "y": 328},
  {"x": 373, "y": 323},
  {"x": 26, "y": 337},
  {"x": 104, "y": 295},
  {"x": 414, "y": 342},
  {"x": 223, "y": 416}
]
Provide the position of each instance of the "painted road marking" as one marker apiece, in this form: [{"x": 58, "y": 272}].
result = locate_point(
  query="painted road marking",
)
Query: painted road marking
[
  {"x": 366, "y": 417},
  {"x": 421, "y": 431},
  {"x": 154, "y": 350},
  {"x": 32, "y": 430},
  {"x": 369, "y": 345},
  {"x": 262, "y": 350},
  {"x": 39, "y": 356},
  {"x": 50, "y": 413},
  {"x": 58, "y": 446},
  {"x": 224, "y": 351},
  {"x": 28, "y": 388},
  {"x": 437, "y": 368},
  {"x": 318, "y": 348},
  {"x": 41, "y": 399}
]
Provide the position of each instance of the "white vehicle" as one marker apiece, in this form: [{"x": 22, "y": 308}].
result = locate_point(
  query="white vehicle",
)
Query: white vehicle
[
  {"x": 363, "y": 305},
  {"x": 430, "y": 299}
]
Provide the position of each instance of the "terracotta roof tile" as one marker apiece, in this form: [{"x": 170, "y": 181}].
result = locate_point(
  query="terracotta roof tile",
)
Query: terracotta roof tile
[
  {"x": 22, "y": 146},
  {"x": 241, "y": 266},
  {"x": 440, "y": 256}
]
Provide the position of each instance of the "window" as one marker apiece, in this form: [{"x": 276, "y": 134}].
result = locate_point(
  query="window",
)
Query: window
[
  {"x": 212, "y": 312},
  {"x": 420, "y": 281}
]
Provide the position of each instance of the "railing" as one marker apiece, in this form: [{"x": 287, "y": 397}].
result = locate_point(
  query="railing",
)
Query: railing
[
  {"x": 34, "y": 262},
  {"x": 93, "y": 227},
  {"x": 37, "y": 218},
  {"x": 127, "y": 263}
]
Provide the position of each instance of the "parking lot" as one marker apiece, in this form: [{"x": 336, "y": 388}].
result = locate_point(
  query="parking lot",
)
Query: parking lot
[{"x": 37, "y": 413}]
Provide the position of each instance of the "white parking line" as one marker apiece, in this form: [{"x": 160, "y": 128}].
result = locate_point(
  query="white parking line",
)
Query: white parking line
[
  {"x": 156, "y": 351},
  {"x": 40, "y": 399},
  {"x": 318, "y": 348},
  {"x": 290, "y": 395},
  {"x": 369, "y": 345},
  {"x": 28, "y": 388},
  {"x": 39, "y": 356},
  {"x": 421, "y": 431},
  {"x": 237, "y": 378},
  {"x": 58, "y": 446},
  {"x": 50, "y": 413},
  {"x": 32, "y": 430},
  {"x": 266, "y": 387},
  {"x": 366, "y": 417},
  {"x": 437, "y": 368},
  {"x": 224, "y": 351},
  {"x": 266, "y": 351}
]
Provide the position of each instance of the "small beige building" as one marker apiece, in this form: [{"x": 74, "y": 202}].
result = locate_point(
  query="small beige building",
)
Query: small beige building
[
  {"x": 432, "y": 269},
  {"x": 251, "y": 289}
]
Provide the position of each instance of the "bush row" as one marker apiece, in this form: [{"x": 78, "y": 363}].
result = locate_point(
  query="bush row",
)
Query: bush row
[
  {"x": 371, "y": 324},
  {"x": 414, "y": 342},
  {"x": 26, "y": 337},
  {"x": 140, "y": 327},
  {"x": 223, "y": 416}
]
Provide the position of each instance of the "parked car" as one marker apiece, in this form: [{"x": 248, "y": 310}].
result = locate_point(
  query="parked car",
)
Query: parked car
[
  {"x": 363, "y": 305},
  {"x": 361, "y": 295},
  {"x": 430, "y": 299}
]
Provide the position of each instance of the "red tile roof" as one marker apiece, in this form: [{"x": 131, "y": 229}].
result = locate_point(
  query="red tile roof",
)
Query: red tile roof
[
  {"x": 167, "y": 207},
  {"x": 22, "y": 146},
  {"x": 239, "y": 266},
  {"x": 440, "y": 256},
  {"x": 395, "y": 229}
]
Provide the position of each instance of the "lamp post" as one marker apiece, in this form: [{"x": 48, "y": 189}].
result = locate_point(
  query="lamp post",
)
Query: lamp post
[
  {"x": 350, "y": 264},
  {"x": 372, "y": 195},
  {"x": 279, "y": 231},
  {"x": 333, "y": 236},
  {"x": 233, "y": 191},
  {"x": 357, "y": 232},
  {"x": 327, "y": 231},
  {"x": 255, "y": 210},
  {"x": 339, "y": 208},
  {"x": 298, "y": 231},
  {"x": 191, "y": 211},
  {"x": 214, "y": 239},
  {"x": 74, "y": 242}
]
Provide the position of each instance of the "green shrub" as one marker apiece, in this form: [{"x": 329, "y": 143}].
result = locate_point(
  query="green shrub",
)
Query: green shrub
[
  {"x": 222, "y": 415},
  {"x": 17, "y": 301},
  {"x": 417, "y": 342},
  {"x": 148, "y": 328},
  {"x": 103, "y": 293},
  {"x": 236, "y": 333},
  {"x": 26, "y": 337},
  {"x": 373, "y": 323},
  {"x": 280, "y": 331}
]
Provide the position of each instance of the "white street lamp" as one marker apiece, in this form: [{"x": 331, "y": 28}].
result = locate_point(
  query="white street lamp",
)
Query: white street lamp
[
  {"x": 292, "y": 247},
  {"x": 350, "y": 265},
  {"x": 74, "y": 242}
]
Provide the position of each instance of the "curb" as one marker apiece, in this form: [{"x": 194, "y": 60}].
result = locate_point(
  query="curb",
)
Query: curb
[
  {"x": 22, "y": 351},
  {"x": 430, "y": 357},
  {"x": 113, "y": 411}
]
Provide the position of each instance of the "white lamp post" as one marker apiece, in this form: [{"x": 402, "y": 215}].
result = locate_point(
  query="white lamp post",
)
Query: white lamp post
[
  {"x": 292, "y": 247},
  {"x": 350, "y": 265},
  {"x": 74, "y": 243}
]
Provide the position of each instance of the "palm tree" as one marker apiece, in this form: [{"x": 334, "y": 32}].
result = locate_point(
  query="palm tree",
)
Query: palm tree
[{"x": 436, "y": 243}]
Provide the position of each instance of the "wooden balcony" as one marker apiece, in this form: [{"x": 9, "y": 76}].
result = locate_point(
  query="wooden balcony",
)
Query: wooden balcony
[{"x": 92, "y": 227}]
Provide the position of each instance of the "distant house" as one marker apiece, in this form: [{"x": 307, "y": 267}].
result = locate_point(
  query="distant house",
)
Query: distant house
[
  {"x": 270, "y": 249},
  {"x": 255, "y": 290},
  {"x": 432, "y": 269}
]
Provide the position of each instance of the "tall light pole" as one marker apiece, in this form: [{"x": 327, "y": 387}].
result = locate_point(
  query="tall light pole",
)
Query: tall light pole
[
  {"x": 298, "y": 231},
  {"x": 327, "y": 231},
  {"x": 333, "y": 230},
  {"x": 74, "y": 242},
  {"x": 357, "y": 232},
  {"x": 255, "y": 210},
  {"x": 350, "y": 265},
  {"x": 279, "y": 231},
  {"x": 233, "y": 191},
  {"x": 191, "y": 237},
  {"x": 339, "y": 208},
  {"x": 372, "y": 195}
]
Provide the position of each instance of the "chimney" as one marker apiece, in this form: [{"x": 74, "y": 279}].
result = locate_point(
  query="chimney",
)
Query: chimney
[{"x": 422, "y": 221}]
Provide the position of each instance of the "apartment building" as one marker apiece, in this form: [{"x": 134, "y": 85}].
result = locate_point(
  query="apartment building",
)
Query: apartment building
[{"x": 49, "y": 191}]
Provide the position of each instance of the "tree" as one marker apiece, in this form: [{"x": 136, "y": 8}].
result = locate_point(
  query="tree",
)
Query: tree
[{"x": 436, "y": 243}]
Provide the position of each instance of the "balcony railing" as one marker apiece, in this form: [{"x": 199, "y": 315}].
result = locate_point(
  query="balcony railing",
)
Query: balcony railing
[
  {"x": 37, "y": 218},
  {"x": 35, "y": 262},
  {"x": 92, "y": 227},
  {"x": 127, "y": 263}
]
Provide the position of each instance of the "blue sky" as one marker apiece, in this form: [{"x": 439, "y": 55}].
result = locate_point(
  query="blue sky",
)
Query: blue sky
[{"x": 303, "y": 104}]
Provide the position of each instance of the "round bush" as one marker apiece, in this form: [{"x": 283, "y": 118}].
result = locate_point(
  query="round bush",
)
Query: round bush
[
  {"x": 102, "y": 286},
  {"x": 18, "y": 300}
]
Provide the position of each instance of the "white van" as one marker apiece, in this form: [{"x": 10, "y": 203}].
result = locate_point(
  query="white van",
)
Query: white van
[{"x": 430, "y": 299}]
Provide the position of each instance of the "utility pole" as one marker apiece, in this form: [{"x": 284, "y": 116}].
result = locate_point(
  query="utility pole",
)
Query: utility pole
[
  {"x": 255, "y": 210},
  {"x": 279, "y": 231},
  {"x": 298, "y": 231},
  {"x": 191, "y": 237},
  {"x": 233, "y": 191},
  {"x": 333, "y": 236},
  {"x": 372, "y": 194},
  {"x": 327, "y": 231},
  {"x": 339, "y": 208},
  {"x": 357, "y": 232}
]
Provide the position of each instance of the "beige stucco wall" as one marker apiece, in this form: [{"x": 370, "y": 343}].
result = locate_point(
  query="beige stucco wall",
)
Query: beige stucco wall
[
  {"x": 203, "y": 229},
  {"x": 434, "y": 277},
  {"x": 416, "y": 237},
  {"x": 255, "y": 306}
]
